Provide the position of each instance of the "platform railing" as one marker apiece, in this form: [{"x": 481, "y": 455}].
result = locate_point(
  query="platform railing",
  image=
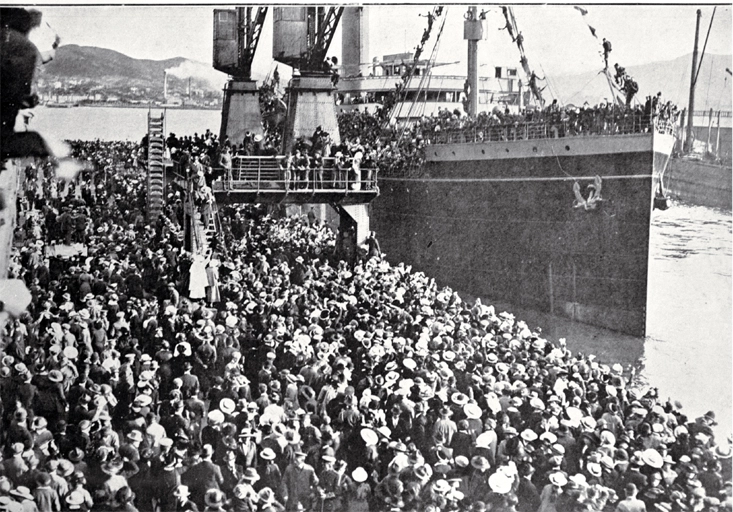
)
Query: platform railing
[
  {"x": 626, "y": 125},
  {"x": 262, "y": 174}
]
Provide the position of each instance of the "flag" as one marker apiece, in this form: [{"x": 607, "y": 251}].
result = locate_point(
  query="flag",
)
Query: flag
[
  {"x": 582, "y": 11},
  {"x": 593, "y": 31}
]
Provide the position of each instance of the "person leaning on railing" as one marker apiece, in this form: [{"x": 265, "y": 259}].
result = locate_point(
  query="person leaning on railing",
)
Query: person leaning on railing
[
  {"x": 286, "y": 166},
  {"x": 316, "y": 165}
]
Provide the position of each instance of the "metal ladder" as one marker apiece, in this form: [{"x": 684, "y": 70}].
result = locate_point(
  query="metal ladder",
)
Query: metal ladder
[{"x": 156, "y": 167}]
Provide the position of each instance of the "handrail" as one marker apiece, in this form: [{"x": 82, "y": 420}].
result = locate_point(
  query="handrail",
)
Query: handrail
[
  {"x": 260, "y": 179},
  {"x": 550, "y": 130}
]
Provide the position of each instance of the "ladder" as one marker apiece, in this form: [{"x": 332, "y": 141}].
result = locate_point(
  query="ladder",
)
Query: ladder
[{"x": 156, "y": 166}]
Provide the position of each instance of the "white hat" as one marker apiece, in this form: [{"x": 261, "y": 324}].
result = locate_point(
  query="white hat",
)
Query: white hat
[
  {"x": 369, "y": 436},
  {"x": 215, "y": 417},
  {"x": 558, "y": 478},
  {"x": 500, "y": 483},
  {"x": 359, "y": 475},
  {"x": 472, "y": 411},
  {"x": 227, "y": 405}
]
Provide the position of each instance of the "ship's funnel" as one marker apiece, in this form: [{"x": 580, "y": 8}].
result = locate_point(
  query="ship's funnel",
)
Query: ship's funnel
[{"x": 354, "y": 41}]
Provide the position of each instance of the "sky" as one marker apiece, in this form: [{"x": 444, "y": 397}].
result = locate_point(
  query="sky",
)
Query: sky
[{"x": 556, "y": 37}]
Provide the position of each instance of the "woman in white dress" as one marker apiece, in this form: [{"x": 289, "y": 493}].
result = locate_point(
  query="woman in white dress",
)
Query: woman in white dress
[{"x": 199, "y": 280}]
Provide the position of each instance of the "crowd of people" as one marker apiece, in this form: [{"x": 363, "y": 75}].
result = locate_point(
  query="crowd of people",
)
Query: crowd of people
[{"x": 303, "y": 380}]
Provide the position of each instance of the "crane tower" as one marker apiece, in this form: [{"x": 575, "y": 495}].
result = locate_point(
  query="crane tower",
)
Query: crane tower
[
  {"x": 301, "y": 37},
  {"x": 236, "y": 35}
]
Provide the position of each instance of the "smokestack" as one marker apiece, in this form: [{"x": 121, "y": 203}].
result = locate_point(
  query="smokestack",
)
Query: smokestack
[
  {"x": 355, "y": 40},
  {"x": 189, "y": 88},
  {"x": 165, "y": 86}
]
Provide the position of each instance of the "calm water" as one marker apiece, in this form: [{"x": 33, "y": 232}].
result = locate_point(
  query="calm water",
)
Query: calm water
[
  {"x": 109, "y": 123},
  {"x": 687, "y": 353}
]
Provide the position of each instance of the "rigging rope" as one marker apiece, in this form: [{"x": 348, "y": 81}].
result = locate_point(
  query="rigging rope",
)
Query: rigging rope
[
  {"x": 586, "y": 85},
  {"x": 697, "y": 72},
  {"x": 407, "y": 75},
  {"x": 512, "y": 28},
  {"x": 425, "y": 76}
]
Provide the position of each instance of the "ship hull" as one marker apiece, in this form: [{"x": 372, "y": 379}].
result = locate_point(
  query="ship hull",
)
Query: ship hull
[
  {"x": 699, "y": 183},
  {"x": 498, "y": 221}
]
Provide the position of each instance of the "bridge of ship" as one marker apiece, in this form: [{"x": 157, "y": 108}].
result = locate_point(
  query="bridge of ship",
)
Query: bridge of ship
[{"x": 265, "y": 179}]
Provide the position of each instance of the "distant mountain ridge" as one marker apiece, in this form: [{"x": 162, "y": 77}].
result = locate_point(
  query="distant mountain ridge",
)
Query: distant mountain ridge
[
  {"x": 73, "y": 61},
  {"x": 671, "y": 77}
]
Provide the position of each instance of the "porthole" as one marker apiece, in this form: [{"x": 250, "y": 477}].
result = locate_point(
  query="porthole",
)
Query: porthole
[{"x": 567, "y": 148}]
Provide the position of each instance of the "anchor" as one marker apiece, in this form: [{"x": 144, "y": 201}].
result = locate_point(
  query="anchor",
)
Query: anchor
[{"x": 594, "y": 198}]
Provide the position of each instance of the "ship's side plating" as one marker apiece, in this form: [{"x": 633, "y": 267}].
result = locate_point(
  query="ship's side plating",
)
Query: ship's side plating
[{"x": 500, "y": 220}]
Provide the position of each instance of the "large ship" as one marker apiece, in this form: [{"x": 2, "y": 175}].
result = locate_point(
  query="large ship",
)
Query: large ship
[
  {"x": 532, "y": 214},
  {"x": 369, "y": 88}
]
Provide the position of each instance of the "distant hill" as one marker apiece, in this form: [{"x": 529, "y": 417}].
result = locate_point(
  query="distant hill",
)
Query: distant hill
[
  {"x": 671, "y": 78},
  {"x": 112, "y": 68}
]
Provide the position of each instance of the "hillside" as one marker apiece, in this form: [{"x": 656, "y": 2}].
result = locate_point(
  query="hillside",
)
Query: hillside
[
  {"x": 93, "y": 67},
  {"x": 671, "y": 78},
  {"x": 101, "y": 67}
]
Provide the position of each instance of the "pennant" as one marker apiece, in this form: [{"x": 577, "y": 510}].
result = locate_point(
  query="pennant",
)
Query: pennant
[
  {"x": 593, "y": 31},
  {"x": 582, "y": 11}
]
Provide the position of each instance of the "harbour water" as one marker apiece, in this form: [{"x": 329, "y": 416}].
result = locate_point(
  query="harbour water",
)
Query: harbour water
[{"x": 687, "y": 354}]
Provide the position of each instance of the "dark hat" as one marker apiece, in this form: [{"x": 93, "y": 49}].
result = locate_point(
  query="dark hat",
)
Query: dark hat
[
  {"x": 76, "y": 455},
  {"x": 43, "y": 478}
]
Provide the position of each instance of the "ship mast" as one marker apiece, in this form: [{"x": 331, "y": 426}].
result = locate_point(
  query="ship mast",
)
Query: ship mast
[
  {"x": 691, "y": 108},
  {"x": 472, "y": 32}
]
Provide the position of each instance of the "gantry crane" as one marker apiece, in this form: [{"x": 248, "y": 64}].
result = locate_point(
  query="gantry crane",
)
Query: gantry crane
[
  {"x": 236, "y": 35},
  {"x": 301, "y": 38}
]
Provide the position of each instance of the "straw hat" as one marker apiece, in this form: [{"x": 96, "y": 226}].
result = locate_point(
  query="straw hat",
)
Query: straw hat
[
  {"x": 652, "y": 458},
  {"x": 558, "y": 478},
  {"x": 369, "y": 436},
  {"x": 472, "y": 411},
  {"x": 267, "y": 454},
  {"x": 359, "y": 475},
  {"x": 500, "y": 483},
  {"x": 227, "y": 405}
]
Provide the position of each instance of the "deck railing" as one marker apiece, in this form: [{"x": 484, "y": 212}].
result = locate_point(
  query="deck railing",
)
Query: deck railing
[
  {"x": 550, "y": 130},
  {"x": 271, "y": 174}
]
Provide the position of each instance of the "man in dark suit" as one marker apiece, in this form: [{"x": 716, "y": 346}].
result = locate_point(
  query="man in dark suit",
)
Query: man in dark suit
[
  {"x": 203, "y": 476},
  {"x": 527, "y": 493},
  {"x": 190, "y": 382}
]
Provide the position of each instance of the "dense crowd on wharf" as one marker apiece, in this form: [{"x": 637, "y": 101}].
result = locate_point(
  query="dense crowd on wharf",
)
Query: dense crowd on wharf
[{"x": 281, "y": 374}]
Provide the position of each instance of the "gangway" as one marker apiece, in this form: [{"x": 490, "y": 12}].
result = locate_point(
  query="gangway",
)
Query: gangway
[
  {"x": 155, "y": 183},
  {"x": 265, "y": 179}
]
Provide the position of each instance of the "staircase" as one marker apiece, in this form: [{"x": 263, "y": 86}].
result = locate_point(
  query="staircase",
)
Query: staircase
[
  {"x": 207, "y": 236},
  {"x": 156, "y": 167}
]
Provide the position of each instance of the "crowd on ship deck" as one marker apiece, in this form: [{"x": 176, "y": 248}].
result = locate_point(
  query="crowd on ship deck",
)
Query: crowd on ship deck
[{"x": 285, "y": 373}]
